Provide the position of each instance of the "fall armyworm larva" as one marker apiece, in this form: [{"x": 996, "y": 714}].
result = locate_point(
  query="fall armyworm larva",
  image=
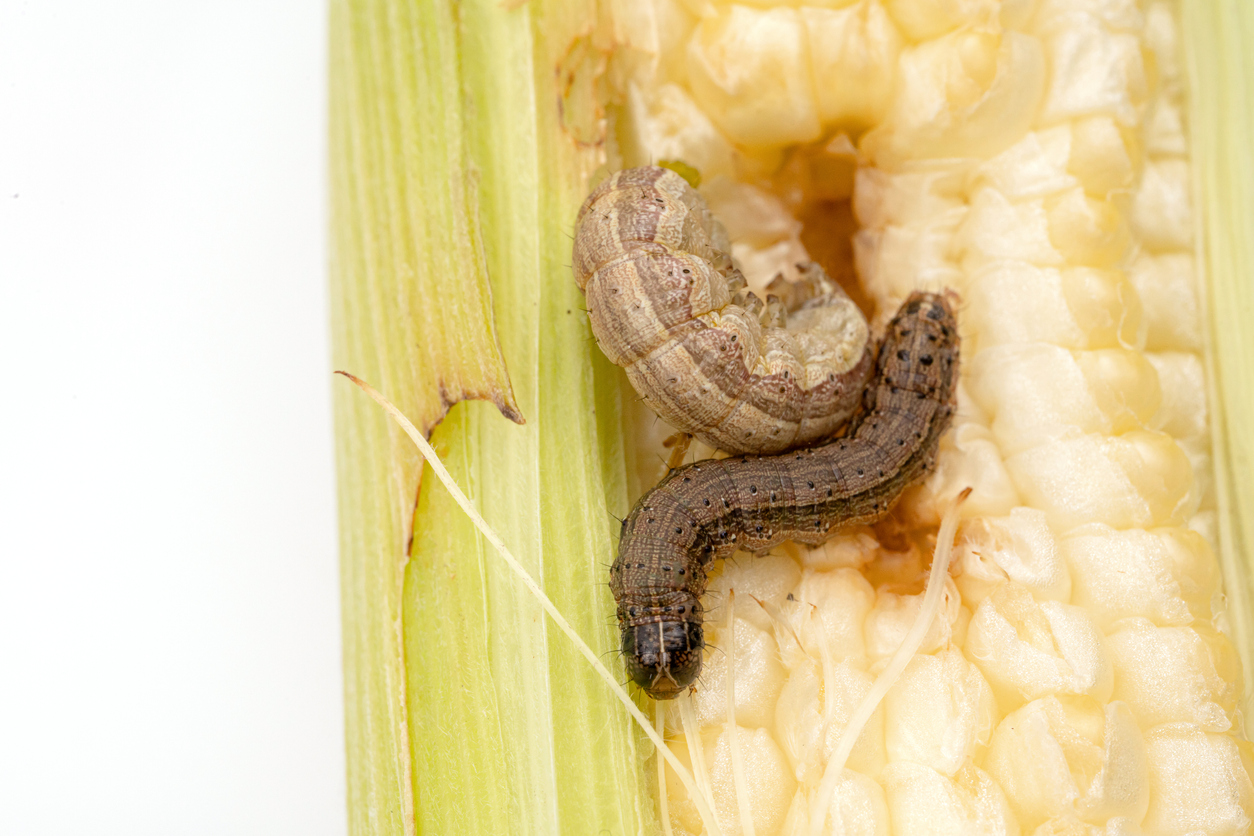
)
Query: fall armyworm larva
[
  {"x": 667, "y": 304},
  {"x": 703, "y": 511}
]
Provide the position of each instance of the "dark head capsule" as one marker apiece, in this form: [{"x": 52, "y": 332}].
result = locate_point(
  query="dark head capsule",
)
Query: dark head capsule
[{"x": 664, "y": 657}]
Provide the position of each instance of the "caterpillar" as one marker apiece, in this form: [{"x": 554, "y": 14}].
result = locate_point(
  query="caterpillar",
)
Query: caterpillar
[
  {"x": 703, "y": 511},
  {"x": 668, "y": 305}
]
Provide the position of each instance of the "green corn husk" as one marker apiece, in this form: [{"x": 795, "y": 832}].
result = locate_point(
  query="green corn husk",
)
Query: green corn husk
[
  {"x": 463, "y": 138},
  {"x": 1217, "y": 41},
  {"x": 451, "y": 163}
]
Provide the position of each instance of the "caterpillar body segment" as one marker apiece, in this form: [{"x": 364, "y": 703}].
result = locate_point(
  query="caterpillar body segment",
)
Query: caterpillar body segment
[{"x": 668, "y": 305}]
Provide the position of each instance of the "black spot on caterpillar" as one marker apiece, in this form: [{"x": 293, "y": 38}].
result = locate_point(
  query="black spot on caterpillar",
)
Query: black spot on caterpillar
[
  {"x": 757, "y": 502},
  {"x": 667, "y": 304}
]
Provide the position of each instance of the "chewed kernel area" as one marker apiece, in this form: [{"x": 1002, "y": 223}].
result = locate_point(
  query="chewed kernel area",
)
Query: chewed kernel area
[{"x": 1033, "y": 157}]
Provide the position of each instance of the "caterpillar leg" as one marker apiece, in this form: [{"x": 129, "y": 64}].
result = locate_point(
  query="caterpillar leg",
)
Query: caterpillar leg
[{"x": 680, "y": 442}]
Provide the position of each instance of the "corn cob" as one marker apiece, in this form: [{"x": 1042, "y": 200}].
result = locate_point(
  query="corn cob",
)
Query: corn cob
[{"x": 1032, "y": 156}]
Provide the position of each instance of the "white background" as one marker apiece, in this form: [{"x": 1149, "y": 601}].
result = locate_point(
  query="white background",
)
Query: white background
[{"x": 169, "y": 612}]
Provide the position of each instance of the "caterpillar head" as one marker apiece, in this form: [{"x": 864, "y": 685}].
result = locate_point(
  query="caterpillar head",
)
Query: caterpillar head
[{"x": 664, "y": 657}]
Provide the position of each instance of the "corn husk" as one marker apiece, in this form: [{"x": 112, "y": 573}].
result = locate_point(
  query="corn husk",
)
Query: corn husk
[
  {"x": 1217, "y": 39},
  {"x": 464, "y": 712}
]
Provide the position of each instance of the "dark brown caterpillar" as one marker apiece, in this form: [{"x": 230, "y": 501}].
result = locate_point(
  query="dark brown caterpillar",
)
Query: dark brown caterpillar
[
  {"x": 703, "y": 511},
  {"x": 667, "y": 304}
]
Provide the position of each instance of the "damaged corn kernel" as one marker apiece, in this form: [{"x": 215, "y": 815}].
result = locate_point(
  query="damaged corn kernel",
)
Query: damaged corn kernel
[{"x": 1033, "y": 157}]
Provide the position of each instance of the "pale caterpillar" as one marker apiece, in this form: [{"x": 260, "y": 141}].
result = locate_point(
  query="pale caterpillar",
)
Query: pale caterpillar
[
  {"x": 703, "y": 511},
  {"x": 667, "y": 304}
]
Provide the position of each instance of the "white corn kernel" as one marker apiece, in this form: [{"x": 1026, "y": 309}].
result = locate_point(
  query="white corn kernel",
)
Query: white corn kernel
[
  {"x": 1165, "y": 285},
  {"x": 940, "y": 713},
  {"x": 770, "y": 578},
  {"x": 854, "y": 57},
  {"x": 766, "y": 772},
  {"x": 996, "y": 229},
  {"x": 923, "y": 21},
  {"x": 759, "y": 678},
  {"x": 1019, "y": 547},
  {"x": 1036, "y": 393},
  {"x": 971, "y": 93},
  {"x": 1199, "y": 782},
  {"x": 922, "y": 801},
  {"x": 893, "y": 615},
  {"x": 1161, "y": 212},
  {"x": 1167, "y": 576},
  {"x": 1182, "y": 381},
  {"x": 1092, "y": 70},
  {"x": 1028, "y": 649},
  {"x": 749, "y": 69},
  {"x": 669, "y": 123},
  {"x": 858, "y": 809},
  {"x": 813, "y": 710},
  {"x": 827, "y": 611},
  {"x": 1083, "y": 760},
  {"x": 1136, "y": 480},
  {"x": 969, "y": 457},
  {"x": 1168, "y": 675}
]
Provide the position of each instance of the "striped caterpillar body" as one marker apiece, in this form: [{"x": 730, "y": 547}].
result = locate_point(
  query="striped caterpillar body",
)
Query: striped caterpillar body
[
  {"x": 667, "y": 304},
  {"x": 703, "y": 511}
]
